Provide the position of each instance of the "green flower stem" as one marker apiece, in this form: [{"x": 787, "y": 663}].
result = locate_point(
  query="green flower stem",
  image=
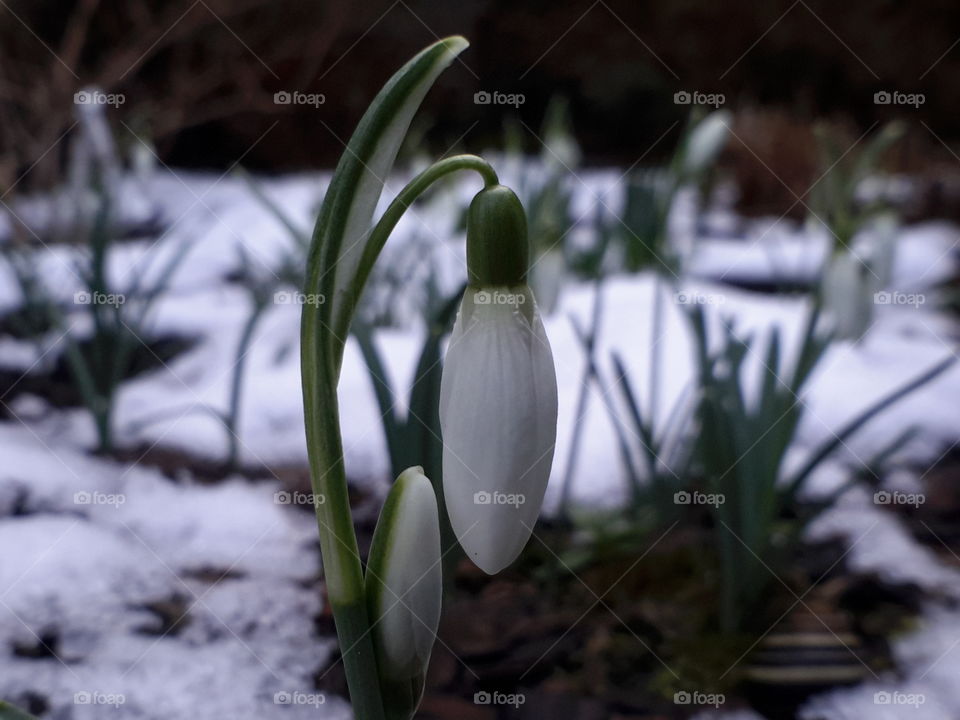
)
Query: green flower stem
[
  {"x": 338, "y": 541},
  {"x": 404, "y": 199}
]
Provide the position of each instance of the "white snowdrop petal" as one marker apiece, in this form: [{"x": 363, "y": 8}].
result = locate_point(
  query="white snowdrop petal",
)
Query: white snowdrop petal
[{"x": 498, "y": 414}]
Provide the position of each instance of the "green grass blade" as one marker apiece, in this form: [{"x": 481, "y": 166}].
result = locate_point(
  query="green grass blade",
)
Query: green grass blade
[
  {"x": 300, "y": 235},
  {"x": 643, "y": 430},
  {"x": 793, "y": 485}
]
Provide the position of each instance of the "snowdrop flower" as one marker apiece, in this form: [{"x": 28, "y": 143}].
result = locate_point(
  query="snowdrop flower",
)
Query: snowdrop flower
[
  {"x": 498, "y": 394},
  {"x": 705, "y": 143},
  {"x": 404, "y": 590},
  {"x": 848, "y": 294}
]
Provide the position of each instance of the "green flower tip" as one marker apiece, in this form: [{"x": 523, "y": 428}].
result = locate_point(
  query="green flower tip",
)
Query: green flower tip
[{"x": 498, "y": 252}]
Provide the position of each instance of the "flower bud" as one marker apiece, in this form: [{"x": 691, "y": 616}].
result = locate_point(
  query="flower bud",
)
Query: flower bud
[
  {"x": 498, "y": 252},
  {"x": 404, "y": 590},
  {"x": 498, "y": 392}
]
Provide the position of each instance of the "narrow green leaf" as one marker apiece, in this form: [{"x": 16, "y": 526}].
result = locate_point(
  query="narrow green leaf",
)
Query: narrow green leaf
[
  {"x": 301, "y": 236},
  {"x": 860, "y": 420},
  {"x": 337, "y": 246},
  {"x": 386, "y": 401},
  {"x": 344, "y": 223},
  {"x": 592, "y": 373},
  {"x": 644, "y": 431}
]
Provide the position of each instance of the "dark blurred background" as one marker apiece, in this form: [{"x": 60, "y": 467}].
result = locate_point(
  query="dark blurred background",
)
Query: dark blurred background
[{"x": 199, "y": 77}]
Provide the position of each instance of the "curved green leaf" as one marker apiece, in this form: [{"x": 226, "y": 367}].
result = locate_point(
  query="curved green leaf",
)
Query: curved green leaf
[
  {"x": 339, "y": 238},
  {"x": 344, "y": 223}
]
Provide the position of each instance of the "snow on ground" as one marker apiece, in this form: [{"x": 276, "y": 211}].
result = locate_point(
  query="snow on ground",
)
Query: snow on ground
[
  {"x": 213, "y": 216},
  {"x": 783, "y": 254},
  {"x": 97, "y": 548},
  {"x": 926, "y": 689},
  {"x": 98, "y": 544},
  {"x": 879, "y": 545}
]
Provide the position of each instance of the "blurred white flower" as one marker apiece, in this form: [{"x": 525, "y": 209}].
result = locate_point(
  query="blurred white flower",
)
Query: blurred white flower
[
  {"x": 705, "y": 143},
  {"x": 847, "y": 290}
]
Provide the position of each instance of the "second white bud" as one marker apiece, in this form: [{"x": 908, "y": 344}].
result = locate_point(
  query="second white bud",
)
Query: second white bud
[{"x": 404, "y": 590}]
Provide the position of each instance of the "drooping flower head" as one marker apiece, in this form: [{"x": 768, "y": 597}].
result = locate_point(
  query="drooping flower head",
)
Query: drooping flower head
[{"x": 498, "y": 395}]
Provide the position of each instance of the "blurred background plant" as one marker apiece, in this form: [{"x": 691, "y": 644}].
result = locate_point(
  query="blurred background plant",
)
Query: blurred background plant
[
  {"x": 102, "y": 351},
  {"x": 745, "y": 429},
  {"x": 641, "y": 239},
  {"x": 545, "y": 183},
  {"x": 411, "y": 429},
  {"x": 862, "y": 225},
  {"x": 641, "y": 231},
  {"x": 105, "y": 327}
]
